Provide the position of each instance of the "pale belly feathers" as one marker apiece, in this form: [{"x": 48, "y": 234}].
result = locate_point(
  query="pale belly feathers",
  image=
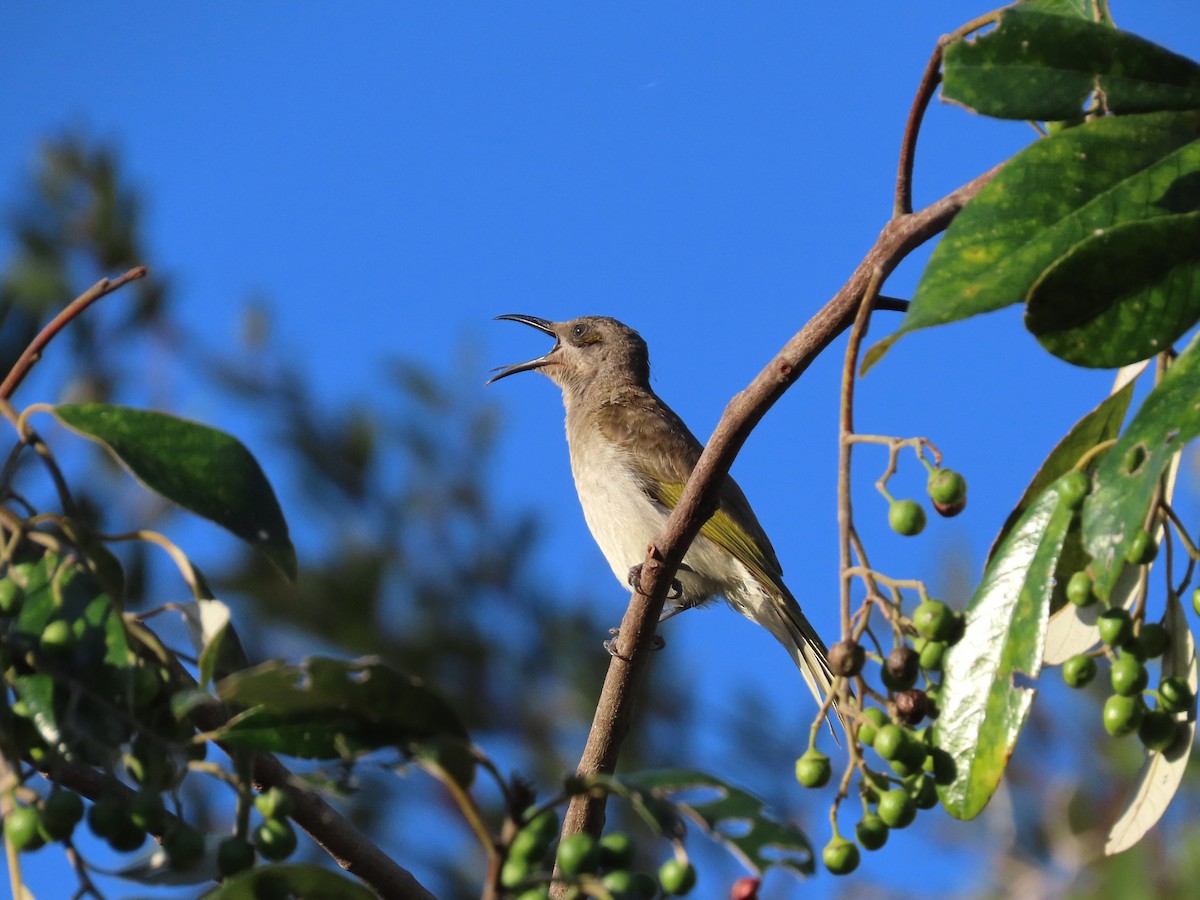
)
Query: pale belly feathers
[{"x": 624, "y": 520}]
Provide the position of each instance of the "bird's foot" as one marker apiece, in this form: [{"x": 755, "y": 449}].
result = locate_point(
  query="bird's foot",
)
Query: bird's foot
[
  {"x": 635, "y": 581},
  {"x": 611, "y": 644}
]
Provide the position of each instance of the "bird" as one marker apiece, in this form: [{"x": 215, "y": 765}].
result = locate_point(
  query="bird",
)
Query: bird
[{"x": 631, "y": 456}]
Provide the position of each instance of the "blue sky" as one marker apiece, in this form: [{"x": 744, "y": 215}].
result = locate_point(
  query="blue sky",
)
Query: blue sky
[{"x": 391, "y": 176}]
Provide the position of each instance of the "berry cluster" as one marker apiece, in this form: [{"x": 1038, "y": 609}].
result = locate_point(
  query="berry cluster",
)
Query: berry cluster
[
  {"x": 593, "y": 865},
  {"x": 1129, "y": 643},
  {"x": 890, "y": 799}
]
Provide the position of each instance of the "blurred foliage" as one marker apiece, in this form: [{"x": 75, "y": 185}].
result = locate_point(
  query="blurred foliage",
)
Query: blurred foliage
[{"x": 404, "y": 555}]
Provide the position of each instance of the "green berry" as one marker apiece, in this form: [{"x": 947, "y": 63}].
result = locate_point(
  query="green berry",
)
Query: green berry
[
  {"x": 234, "y": 854},
  {"x": 21, "y": 829},
  {"x": 528, "y": 846},
  {"x": 127, "y": 837},
  {"x": 910, "y": 759},
  {"x": 932, "y": 620},
  {"x": 1115, "y": 627},
  {"x": 515, "y": 870},
  {"x": 275, "y": 839},
  {"x": 1175, "y": 694},
  {"x": 871, "y": 832},
  {"x": 930, "y": 653},
  {"x": 869, "y": 730},
  {"x": 942, "y": 765},
  {"x": 1157, "y": 730},
  {"x": 1079, "y": 670},
  {"x": 906, "y": 517},
  {"x": 933, "y": 696},
  {"x": 677, "y": 877},
  {"x": 904, "y": 766},
  {"x": 535, "y": 838},
  {"x": 1128, "y": 675},
  {"x": 948, "y": 491},
  {"x": 1196, "y": 601},
  {"x": 958, "y": 628},
  {"x": 274, "y": 803},
  {"x": 643, "y": 885},
  {"x": 1079, "y": 589},
  {"x": 618, "y": 882},
  {"x": 1141, "y": 550},
  {"x": 58, "y": 638},
  {"x": 813, "y": 769},
  {"x": 1073, "y": 488},
  {"x": 1151, "y": 641},
  {"x": 578, "y": 854},
  {"x": 1122, "y": 715},
  {"x": 107, "y": 816},
  {"x": 841, "y": 857},
  {"x": 61, "y": 812},
  {"x": 896, "y": 808},
  {"x": 924, "y": 792},
  {"x": 890, "y": 741},
  {"x": 147, "y": 812},
  {"x": 11, "y": 598},
  {"x": 616, "y": 850},
  {"x": 184, "y": 846}
]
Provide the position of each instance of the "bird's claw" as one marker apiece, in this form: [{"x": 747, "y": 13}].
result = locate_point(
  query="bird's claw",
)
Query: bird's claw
[
  {"x": 656, "y": 643},
  {"x": 674, "y": 592}
]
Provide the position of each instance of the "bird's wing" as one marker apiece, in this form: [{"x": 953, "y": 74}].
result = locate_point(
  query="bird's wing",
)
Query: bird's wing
[{"x": 664, "y": 452}]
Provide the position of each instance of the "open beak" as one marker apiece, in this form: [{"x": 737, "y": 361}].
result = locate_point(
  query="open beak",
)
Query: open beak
[{"x": 532, "y": 322}]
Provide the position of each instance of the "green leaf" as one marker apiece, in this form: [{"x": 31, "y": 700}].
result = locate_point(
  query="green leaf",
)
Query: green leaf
[
  {"x": 331, "y": 709},
  {"x": 305, "y": 880},
  {"x": 218, "y": 649},
  {"x": 1121, "y": 295},
  {"x": 1084, "y": 180},
  {"x": 1077, "y": 9},
  {"x": 41, "y": 701},
  {"x": 202, "y": 469},
  {"x": 733, "y": 817},
  {"x": 1101, "y": 424},
  {"x": 983, "y": 705},
  {"x": 1129, "y": 474},
  {"x": 1163, "y": 772},
  {"x": 1036, "y": 65}
]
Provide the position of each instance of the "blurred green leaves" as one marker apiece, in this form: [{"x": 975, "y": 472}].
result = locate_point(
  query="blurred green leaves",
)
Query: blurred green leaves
[{"x": 202, "y": 469}]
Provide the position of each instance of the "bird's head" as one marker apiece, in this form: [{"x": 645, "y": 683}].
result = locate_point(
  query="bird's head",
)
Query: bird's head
[{"x": 586, "y": 350}]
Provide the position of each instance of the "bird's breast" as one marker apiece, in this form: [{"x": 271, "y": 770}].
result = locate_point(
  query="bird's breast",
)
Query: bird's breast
[{"x": 624, "y": 519}]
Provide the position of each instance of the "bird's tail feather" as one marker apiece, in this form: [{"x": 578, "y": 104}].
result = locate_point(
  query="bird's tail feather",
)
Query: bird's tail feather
[{"x": 784, "y": 619}]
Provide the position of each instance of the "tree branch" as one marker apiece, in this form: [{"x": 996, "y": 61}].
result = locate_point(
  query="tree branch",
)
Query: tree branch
[
  {"x": 349, "y": 847},
  {"x": 613, "y": 714},
  {"x": 33, "y": 352}
]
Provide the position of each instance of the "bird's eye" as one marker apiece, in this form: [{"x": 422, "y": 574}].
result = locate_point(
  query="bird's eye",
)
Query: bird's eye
[{"x": 579, "y": 330}]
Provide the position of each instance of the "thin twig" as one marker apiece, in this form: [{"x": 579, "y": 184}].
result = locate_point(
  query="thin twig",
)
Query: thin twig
[
  {"x": 349, "y": 847},
  {"x": 845, "y": 429},
  {"x": 614, "y": 710},
  {"x": 37, "y": 346},
  {"x": 930, "y": 79}
]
